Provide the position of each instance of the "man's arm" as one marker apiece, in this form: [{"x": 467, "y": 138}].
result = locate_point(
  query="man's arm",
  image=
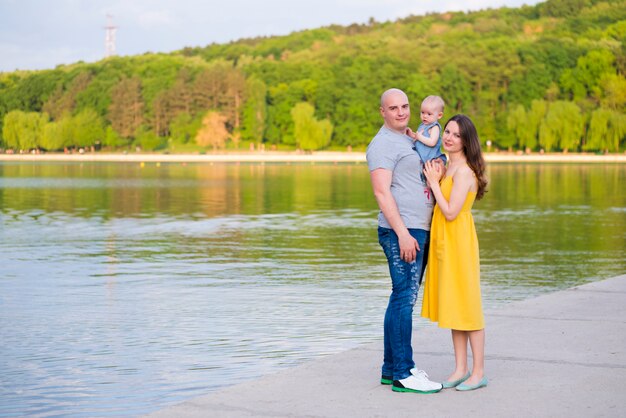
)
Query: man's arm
[{"x": 381, "y": 183}]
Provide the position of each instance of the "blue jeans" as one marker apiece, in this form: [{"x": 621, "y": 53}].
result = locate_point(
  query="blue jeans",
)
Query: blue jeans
[{"x": 406, "y": 279}]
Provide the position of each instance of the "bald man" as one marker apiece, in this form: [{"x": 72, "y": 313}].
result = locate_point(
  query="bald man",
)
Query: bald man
[{"x": 406, "y": 208}]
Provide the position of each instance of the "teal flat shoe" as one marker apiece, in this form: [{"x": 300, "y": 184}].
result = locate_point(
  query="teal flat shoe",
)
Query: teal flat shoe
[
  {"x": 449, "y": 385},
  {"x": 463, "y": 387}
]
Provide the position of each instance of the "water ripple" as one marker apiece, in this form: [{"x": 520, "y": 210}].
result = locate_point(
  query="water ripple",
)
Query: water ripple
[{"x": 169, "y": 287}]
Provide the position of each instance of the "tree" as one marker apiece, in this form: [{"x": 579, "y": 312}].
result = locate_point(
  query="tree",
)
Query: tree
[
  {"x": 234, "y": 97},
  {"x": 617, "y": 131},
  {"x": 613, "y": 91},
  {"x": 172, "y": 102},
  {"x": 562, "y": 8},
  {"x": 535, "y": 115},
  {"x": 213, "y": 131},
  {"x": 183, "y": 127},
  {"x": 148, "y": 140},
  {"x": 323, "y": 133},
  {"x": 310, "y": 133},
  {"x": 573, "y": 125},
  {"x": 57, "y": 134},
  {"x": 87, "y": 128},
  {"x": 32, "y": 90},
  {"x": 181, "y": 92},
  {"x": 530, "y": 86},
  {"x": 254, "y": 111},
  {"x": 483, "y": 63},
  {"x": 456, "y": 90},
  {"x": 11, "y": 129},
  {"x": 113, "y": 139},
  {"x": 126, "y": 109},
  {"x": 590, "y": 69},
  {"x": 606, "y": 129},
  {"x": 24, "y": 130},
  {"x": 516, "y": 122},
  {"x": 279, "y": 123},
  {"x": 562, "y": 126},
  {"x": 419, "y": 87},
  {"x": 63, "y": 101},
  {"x": 210, "y": 86},
  {"x": 162, "y": 113},
  {"x": 97, "y": 94}
]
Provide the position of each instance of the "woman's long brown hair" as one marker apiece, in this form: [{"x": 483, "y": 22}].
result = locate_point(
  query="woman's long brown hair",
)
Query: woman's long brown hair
[{"x": 472, "y": 151}]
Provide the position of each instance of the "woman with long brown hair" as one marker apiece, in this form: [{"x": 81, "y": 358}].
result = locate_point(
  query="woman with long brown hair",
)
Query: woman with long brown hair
[{"x": 452, "y": 290}]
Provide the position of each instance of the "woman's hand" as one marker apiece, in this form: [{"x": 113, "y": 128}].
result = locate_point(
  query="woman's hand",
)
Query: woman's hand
[{"x": 433, "y": 171}]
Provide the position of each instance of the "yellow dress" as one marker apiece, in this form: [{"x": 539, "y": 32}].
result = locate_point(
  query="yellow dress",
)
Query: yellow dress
[{"x": 452, "y": 290}]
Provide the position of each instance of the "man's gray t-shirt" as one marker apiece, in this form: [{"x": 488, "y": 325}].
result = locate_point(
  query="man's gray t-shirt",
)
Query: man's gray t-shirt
[{"x": 393, "y": 151}]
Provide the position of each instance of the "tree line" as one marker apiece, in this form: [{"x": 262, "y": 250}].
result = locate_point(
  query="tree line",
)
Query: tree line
[{"x": 547, "y": 77}]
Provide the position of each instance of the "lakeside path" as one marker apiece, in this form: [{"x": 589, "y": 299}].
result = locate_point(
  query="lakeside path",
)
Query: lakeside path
[
  {"x": 561, "y": 354},
  {"x": 289, "y": 157}
]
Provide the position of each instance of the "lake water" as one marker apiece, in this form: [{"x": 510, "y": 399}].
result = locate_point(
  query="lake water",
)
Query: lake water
[{"x": 124, "y": 289}]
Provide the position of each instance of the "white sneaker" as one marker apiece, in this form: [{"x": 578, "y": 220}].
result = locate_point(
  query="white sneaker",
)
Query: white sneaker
[{"x": 417, "y": 382}]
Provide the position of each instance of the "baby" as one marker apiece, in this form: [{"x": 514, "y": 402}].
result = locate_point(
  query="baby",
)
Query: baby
[{"x": 426, "y": 137}]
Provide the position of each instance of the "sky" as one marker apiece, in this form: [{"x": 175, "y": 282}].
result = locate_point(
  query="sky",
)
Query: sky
[{"x": 40, "y": 34}]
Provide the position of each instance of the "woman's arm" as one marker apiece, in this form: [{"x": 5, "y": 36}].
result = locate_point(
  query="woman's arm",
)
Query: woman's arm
[{"x": 463, "y": 181}]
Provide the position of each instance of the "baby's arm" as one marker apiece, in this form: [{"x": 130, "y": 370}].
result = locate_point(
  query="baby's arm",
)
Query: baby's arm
[{"x": 432, "y": 141}]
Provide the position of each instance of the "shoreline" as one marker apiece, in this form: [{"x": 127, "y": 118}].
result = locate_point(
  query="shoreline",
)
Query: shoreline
[
  {"x": 292, "y": 157},
  {"x": 562, "y": 350}
]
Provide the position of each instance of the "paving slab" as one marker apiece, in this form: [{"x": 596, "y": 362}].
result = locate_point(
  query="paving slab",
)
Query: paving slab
[{"x": 561, "y": 354}]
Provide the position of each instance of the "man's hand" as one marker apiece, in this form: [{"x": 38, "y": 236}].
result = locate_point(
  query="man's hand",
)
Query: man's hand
[{"x": 408, "y": 247}]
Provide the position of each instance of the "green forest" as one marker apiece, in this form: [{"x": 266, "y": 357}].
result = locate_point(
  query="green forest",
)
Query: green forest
[{"x": 547, "y": 77}]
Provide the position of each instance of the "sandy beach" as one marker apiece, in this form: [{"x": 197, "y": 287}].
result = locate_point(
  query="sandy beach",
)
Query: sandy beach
[{"x": 291, "y": 157}]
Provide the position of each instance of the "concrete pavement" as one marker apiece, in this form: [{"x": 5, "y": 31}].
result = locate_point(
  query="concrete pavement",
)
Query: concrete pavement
[{"x": 562, "y": 354}]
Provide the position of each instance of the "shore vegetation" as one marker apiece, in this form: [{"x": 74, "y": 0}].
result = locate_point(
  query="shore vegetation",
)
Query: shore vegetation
[{"x": 546, "y": 77}]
